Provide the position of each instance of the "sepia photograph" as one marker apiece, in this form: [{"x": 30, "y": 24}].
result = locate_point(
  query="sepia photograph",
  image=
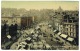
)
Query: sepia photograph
[{"x": 40, "y": 25}]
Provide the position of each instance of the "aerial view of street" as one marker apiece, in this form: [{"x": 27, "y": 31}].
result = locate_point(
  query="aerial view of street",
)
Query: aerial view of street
[{"x": 39, "y": 25}]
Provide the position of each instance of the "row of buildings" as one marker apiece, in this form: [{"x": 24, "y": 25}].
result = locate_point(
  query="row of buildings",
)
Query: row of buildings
[
  {"x": 67, "y": 22},
  {"x": 20, "y": 21}
]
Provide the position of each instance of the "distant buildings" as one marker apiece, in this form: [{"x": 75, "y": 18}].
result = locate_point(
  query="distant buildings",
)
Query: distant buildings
[
  {"x": 26, "y": 22},
  {"x": 10, "y": 20},
  {"x": 21, "y": 21},
  {"x": 58, "y": 18}
]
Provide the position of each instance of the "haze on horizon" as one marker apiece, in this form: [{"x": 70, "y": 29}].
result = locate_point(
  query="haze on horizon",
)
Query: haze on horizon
[{"x": 65, "y": 5}]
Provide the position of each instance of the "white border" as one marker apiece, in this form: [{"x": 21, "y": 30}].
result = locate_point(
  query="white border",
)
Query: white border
[{"x": 38, "y": 0}]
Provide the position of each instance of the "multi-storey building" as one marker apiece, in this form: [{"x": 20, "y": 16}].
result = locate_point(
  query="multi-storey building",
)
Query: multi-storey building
[
  {"x": 20, "y": 21},
  {"x": 70, "y": 29},
  {"x": 69, "y": 26}
]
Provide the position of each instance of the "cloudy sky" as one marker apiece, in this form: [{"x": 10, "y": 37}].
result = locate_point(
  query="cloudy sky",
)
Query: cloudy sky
[{"x": 66, "y": 5}]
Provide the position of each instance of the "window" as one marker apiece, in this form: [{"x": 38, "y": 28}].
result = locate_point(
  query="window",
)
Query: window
[
  {"x": 70, "y": 29},
  {"x": 67, "y": 29},
  {"x": 70, "y": 34},
  {"x": 71, "y": 25}
]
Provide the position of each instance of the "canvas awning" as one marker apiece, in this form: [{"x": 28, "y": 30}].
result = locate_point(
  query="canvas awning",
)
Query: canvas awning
[
  {"x": 63, "y": 35},
  {"x": 70, "y": 39}
]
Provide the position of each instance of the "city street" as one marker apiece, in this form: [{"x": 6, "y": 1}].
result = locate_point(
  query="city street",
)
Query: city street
[
  {"x": 40, "y": 25},
  {"x": 47, "y": 38}
]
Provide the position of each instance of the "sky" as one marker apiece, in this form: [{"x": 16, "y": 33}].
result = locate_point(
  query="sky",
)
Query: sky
[{"x": 65, "y": 5}]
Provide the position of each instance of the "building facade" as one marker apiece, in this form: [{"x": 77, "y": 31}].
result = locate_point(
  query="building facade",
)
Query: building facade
[
  {"x": 70, "y": 29},
  {"x": 69, "y": 26},
  {"x": 20, "y": 21}
]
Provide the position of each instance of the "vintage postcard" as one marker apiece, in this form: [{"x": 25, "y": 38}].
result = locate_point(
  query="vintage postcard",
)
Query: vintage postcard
[{"x": 39, "y": 25}]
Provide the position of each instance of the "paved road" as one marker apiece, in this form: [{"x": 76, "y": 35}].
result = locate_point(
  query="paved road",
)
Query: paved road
[{"x": 49, "y": 31}]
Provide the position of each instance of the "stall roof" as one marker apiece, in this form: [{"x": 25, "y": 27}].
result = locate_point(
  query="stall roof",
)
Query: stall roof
[
  {"x": 70, "y": 39},
  {"x": 64, "y": 35},
  {"x": 59, "y": 33}
]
